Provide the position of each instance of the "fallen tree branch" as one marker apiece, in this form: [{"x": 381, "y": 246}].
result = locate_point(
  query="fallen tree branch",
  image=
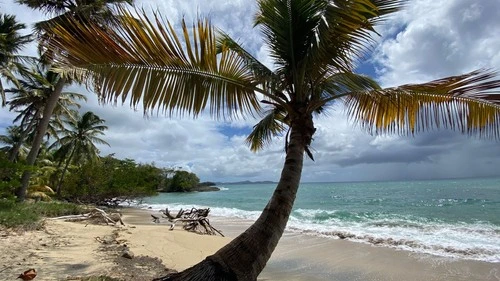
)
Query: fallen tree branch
[
  {"x": 194, "y": 220},
  {"x": 96, "y": 216}
]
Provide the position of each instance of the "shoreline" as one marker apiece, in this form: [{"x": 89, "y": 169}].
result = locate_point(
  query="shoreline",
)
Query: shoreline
[
  {"x": 66, "y": 250},
  {"x": 300, "y": 257}
]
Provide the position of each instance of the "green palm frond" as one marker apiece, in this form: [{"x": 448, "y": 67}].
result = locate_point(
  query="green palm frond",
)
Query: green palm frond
[
  {"x": 337, "y": 86},
  {"x": 79, "y": 139},
  {"x": 272, "y": 125},
  {"x": 353, "y": 23},
  {"x": 344, "y": 34},
  {"x": 146, "y": 60},
  {"x": 311, "y": 39},
  {"x": 11, "y": 42},
  {"x": 463, "y": 103},
  {"x": 259, "y": 70},
  {"x": 287, "y": 26}
]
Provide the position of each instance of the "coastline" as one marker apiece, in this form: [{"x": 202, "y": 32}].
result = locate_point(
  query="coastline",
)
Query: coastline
[
  {"x": 300, "y": 257},
  {"x": 64, "y": 250}
]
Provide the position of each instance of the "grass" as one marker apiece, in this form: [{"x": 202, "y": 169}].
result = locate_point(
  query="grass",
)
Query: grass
[{"x": 28, "y": 215}]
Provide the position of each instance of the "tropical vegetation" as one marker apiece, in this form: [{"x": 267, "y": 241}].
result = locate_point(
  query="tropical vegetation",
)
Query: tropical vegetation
[
  {"x": 99, "y": 12},
  {"x": 78, "y": 143},
  {"x": 314, "y": 45},
  {"x": 11, "y": 42},
  {"x": 28, "y": 216},
  {"x": 111, "y": 181},
  {"x": 182, "y": 181},
  {"x": 57, "y": 147},
  {"x": 29, "y": 100}
]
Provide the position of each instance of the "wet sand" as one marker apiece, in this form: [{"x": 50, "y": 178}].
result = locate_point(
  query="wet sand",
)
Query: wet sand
[{"x": 300, "y": 257}]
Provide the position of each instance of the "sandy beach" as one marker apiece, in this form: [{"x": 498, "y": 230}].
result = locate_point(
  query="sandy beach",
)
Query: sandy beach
[{"x": 67, "y": 250}]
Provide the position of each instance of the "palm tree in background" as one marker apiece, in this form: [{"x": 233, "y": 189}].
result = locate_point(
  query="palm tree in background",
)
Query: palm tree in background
[
  {"x": 79, "y": 142},
  {"x": 29, "y": 100},
  {"x": 314, "y": 45},
  {"x": 11, "y": 42},
  {"x": 13, "y": 141},
  {"x": 99, "y": 12},
  {"x": 44, "y": 175}
]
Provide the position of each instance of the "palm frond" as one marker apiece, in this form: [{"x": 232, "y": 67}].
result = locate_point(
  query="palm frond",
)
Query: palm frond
[
  {"x": 263, "y": 132},
  {"x": 337, "y": 86},
  {"x": 287, "y": 27},
  {"x": 38, "y": 195},
  {"x": 41, "y": 188},
  {"x": 259, "y": 70},
  {"x": 145, "y": 60},
  {"x": 464, "y": 103},
  {"x": 345, "y": 32}
]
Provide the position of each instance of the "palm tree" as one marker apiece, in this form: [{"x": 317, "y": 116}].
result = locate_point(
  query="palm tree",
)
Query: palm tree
[
  {"x": 30, "y": 98},
  {"x": 44, "y": 174},
  {"x": 78, "y": 145},
  {"x": 13, "y": 141},
  {"x": 11, "y": 42},
  {"x": 314, "y": 44},
  {"x": 98, "y": 11}
]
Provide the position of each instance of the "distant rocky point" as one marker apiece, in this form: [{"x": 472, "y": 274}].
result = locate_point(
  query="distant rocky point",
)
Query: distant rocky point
[
  {"x": 205, "y": 188},
  {"x": 247, "y": 182}
]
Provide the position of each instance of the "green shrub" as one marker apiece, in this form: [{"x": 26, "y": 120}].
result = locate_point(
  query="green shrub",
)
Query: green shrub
[
  {"x": 28, "y": 215},
  {"x": 183, "y": 181},
  {"x": 10, "y": 174},
  {"x": 111, "y": 180}
]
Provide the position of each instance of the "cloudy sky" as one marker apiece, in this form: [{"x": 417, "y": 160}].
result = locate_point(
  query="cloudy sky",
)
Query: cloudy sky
[{"x": 428, "y": 40}]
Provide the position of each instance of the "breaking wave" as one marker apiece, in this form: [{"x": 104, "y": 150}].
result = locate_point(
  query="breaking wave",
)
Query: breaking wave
[{"x": 477, "y": 241}]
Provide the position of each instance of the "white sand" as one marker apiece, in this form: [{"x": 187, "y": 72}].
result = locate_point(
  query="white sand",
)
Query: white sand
[
  {"x": 68, "y": 249},
  {"x": 178, "y": 249}
]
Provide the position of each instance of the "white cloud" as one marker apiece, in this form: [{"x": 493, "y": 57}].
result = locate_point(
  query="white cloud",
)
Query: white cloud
[
  {"x": 428, "y": 40},
  {"x": 440, "y": 38}
]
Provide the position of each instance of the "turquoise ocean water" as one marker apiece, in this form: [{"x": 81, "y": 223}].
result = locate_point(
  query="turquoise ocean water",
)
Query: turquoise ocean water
[{"x": 450, "y": 218}]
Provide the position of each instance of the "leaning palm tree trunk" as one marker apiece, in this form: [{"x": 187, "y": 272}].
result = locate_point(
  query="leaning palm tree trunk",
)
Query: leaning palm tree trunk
[
  {"x": 40, "y": 132},
  {"x": 59, "y": 185},
  {"x": 246, "y": 256}
]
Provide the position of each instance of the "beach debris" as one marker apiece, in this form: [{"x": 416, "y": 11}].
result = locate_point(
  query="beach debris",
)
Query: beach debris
[
  {"x": 194, "y": 220},
  {"x": 107, "y": 240},
  {"x": 29, "y": 274},
  {"x": 155, "y": 219},
  {"x": 126, "y": 253},
  {"x": 95, "y": 216}
]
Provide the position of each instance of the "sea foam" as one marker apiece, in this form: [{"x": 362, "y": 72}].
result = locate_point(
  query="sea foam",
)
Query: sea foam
[{"x": 479, "y": 241}]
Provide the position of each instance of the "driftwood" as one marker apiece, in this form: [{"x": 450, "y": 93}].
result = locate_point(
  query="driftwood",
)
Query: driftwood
[
  {"x": 96, "y": 216},
  {"x": 155, "y": 218},
  {"x": 194, "y": 220}
]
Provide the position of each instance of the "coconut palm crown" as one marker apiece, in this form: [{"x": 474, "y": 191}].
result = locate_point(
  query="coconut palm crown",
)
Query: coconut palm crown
[
  {"x": 79, "y": 141},
  {"x": 314, "y": 45},
  {"x": 11, "y": 42}
]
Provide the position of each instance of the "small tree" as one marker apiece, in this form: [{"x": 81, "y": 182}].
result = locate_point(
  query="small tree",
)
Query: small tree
[{"x": 183, "y": 181}]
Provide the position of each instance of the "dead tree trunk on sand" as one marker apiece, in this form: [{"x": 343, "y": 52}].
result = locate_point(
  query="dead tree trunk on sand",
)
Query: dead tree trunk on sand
[{"x": 194, "y": 220}]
